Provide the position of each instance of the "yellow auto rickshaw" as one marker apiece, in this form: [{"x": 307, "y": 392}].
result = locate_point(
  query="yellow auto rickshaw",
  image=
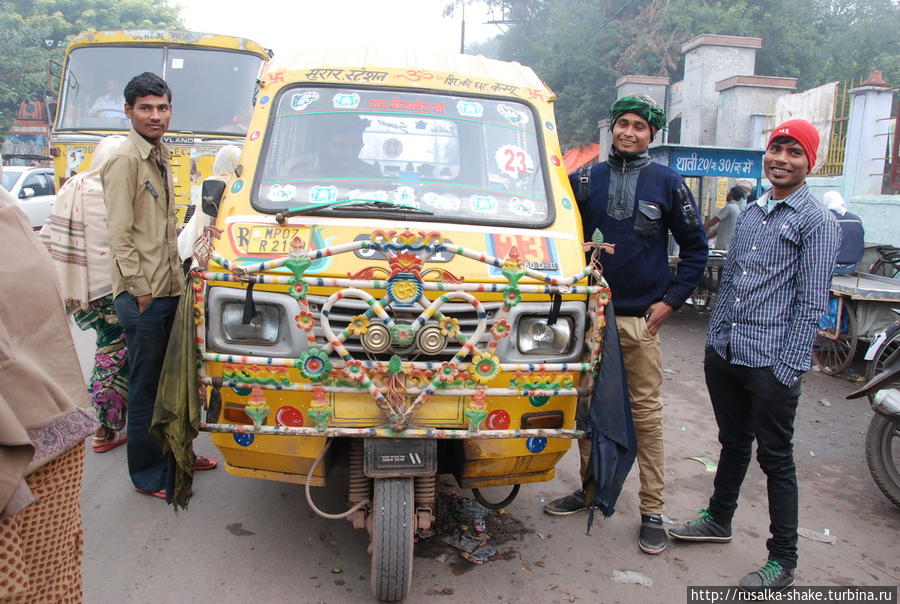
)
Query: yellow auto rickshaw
[{"x": 399, "y": 286}]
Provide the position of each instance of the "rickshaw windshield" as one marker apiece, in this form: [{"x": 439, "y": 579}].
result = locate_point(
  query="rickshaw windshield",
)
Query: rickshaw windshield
[
  {"x": 462, "y": 159},
  {"x": 212, "y": 90}
]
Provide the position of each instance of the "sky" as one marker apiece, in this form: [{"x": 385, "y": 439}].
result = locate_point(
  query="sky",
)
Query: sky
[{"x": 283, "y": 24}]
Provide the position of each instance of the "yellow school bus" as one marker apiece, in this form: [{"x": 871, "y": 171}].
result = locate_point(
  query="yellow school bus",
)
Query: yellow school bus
[
  {"x": 212, "y": 77},
  {"x": 400, "y": 274}
]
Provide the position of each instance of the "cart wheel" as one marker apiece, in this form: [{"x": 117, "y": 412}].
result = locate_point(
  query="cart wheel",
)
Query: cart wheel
[
  {"x": 834, "y": 348},
  {"x": 393, "y": 530},
  {"x": 888, "y": 351}
]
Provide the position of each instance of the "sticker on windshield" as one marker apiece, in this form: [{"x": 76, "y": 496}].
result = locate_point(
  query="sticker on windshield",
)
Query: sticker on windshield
[
  {"x": 521, "y": 207},
  {"x": 513, "y": 160},
  {"x": 322, "y": 194},
  {"x": 405, "y": 196},
  {"x": 299, "y": 102},
  {"x": 440, "y": 202},
  {"x": 177, "y": 63},
  {"x": 470, "y": 108},
  {"x": 484, "y": 204},
  {"x": 281, "y": 193},
  {"x": 345, "y": 101},
  {"x": 512, "y": 115}
]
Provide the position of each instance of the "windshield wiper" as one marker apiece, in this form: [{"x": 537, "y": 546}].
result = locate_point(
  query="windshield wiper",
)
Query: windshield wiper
[
  {"x": 380, "y": 204},
  {"x": 337, "y": 204}
]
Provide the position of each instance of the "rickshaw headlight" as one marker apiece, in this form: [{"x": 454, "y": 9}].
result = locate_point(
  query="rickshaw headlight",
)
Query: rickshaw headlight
[
  {"x": 263, "y": 328},
  {"x": 535, "y": 336}
]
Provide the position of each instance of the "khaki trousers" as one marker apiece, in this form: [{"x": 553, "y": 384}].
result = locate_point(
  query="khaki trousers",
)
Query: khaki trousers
[{"x": 643, "y": 368}]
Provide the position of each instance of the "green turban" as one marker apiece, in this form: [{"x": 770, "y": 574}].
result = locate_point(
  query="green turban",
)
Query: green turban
[{"x": 641, "y": 105}]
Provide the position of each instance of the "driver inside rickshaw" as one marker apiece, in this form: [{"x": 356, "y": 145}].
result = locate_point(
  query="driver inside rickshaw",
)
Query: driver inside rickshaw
[{"x": 338, "y": 145}]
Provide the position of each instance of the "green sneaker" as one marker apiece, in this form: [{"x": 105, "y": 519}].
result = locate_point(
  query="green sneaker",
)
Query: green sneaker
[
  {"x": 772, "y": 577},
  {"x": 703, "y": 528}
]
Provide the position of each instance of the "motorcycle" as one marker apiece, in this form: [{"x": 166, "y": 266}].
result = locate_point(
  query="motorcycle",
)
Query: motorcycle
[{"x": 883, "y": 435}]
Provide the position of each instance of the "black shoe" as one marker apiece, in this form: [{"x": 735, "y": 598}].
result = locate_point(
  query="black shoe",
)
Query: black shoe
[
  {"x": 772, "y": 576},
  {"x": 703, "y": 528},
  {"x": 565, "y": 506},
  {"x": 652, "y": 539}
]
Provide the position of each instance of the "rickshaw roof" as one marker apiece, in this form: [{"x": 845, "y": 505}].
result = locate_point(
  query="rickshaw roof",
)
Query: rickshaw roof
[
  {"x": 152, "y": 37},
  {"x": 421, "y": 66}
]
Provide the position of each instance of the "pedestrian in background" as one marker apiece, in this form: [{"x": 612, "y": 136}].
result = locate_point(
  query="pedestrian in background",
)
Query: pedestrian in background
[
  {"x": 721, "y": 226},
  {"x": 853, "y": 235},
  {"x": 75, "y": 236},
  {"x": 146, "y": 274},
  {"x": 773, "y": 290},
  {"x": 45, "y": 416},
  {"x": 635, "y": 203},
  {"x": 224, "y": 167}
]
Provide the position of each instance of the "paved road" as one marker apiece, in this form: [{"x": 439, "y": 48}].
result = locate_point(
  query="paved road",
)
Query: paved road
[{"x": 244, "y": 540}]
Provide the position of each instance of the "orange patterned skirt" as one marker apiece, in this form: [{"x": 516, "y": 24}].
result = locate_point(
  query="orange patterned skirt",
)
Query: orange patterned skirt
[{"x": 41, "y": 547}]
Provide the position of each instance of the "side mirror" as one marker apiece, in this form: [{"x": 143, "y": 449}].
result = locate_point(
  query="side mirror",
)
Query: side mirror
[
  {"x": 211, "y": 195},
  {"x": 26, "y": 192}
]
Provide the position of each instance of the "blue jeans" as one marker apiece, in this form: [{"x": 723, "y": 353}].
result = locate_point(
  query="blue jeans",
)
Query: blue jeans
[
  {"x": 750, "y": 402},
  {"x": 147, "y": 337}
]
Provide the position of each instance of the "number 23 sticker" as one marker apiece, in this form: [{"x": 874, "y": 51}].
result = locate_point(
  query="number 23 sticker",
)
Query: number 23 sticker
[{"x": 513, "y": 160}]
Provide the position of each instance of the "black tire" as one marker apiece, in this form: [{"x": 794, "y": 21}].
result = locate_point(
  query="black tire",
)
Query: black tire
[
  {"x": 883, "y": 454},
  {"x": 834, "y": 354},
  {"x": 393, "y": 531},
  {"x": 889, "y": 349}
]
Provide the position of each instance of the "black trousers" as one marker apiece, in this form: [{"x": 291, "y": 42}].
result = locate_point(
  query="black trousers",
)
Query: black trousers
[
  {"x": 750, "y": 402},
  {"x": 147, "y": 337}
]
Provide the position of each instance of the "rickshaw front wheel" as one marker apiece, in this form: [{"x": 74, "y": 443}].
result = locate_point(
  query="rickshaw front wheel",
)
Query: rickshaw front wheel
[{"x": 393, "y": 532}]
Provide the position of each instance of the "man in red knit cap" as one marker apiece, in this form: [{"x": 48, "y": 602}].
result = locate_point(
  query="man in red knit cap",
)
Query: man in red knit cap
[{"x": 773, "y": 290}]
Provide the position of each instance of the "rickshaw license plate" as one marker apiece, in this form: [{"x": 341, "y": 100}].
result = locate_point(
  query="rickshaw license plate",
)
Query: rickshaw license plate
[
  {"x": 386, "y": 457},
  {"x": 271, "y": 240}
]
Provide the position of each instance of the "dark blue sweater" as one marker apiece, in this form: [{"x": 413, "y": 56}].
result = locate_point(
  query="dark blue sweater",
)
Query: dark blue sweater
[{"x": 637, "y": 220}]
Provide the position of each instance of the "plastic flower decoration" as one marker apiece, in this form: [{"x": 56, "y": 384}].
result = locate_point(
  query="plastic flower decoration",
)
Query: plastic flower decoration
[
  {"x": 358, "y": 325},
  {"x": 305, "y": 320},
  {"x": 448, "y": 372},
  {"x": 449, "y": 326},
  {"x": 355, "y": 370},
  {"x": 500, "y": 329},
  {"x": 484, "y": 367}
]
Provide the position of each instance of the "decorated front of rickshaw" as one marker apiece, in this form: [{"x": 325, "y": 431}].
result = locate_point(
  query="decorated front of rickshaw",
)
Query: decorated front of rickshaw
[{"x": 427, "y": 309}]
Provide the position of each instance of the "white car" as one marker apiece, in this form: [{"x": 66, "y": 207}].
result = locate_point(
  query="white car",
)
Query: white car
[{"x": 35, "y": 188}]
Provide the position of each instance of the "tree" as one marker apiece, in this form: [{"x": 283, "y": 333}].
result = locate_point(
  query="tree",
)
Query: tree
[
  {"x": 581, "y": 47},
  {"x": 33, "y": 33}
]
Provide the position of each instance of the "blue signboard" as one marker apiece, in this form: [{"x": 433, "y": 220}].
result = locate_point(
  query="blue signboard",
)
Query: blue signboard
[{"x": 709, "y": 161}]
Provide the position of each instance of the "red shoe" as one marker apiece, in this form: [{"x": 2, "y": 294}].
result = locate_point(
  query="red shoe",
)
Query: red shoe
[
  {"x": 102, "y": 444},
  {"x": 204, "y": 463},
  {"x": 161, "y": 494}
]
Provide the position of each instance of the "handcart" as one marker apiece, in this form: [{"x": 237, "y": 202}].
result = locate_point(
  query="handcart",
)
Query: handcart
[{"x": 859, "y": 307}]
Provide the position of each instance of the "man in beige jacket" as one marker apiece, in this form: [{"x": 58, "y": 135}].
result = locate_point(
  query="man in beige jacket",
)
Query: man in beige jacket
[{"x": 147, "y": 274}]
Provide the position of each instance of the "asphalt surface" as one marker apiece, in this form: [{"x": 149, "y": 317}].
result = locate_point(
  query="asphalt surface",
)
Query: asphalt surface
[{"x": 244, "y": 540}]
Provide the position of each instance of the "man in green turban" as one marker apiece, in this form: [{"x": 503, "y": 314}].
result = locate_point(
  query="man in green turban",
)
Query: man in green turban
[{"x": 636, "y": 203}]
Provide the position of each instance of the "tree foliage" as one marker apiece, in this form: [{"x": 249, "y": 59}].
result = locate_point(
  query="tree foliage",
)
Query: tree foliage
[
  {"x": 581, "y": 47},
  {"x": 33, "y": 33}
]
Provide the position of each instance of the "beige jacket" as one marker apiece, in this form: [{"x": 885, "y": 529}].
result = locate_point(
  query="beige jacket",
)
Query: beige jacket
[
  {"x": 141, "y": 219},
  {"x": 44, "y": 407}
]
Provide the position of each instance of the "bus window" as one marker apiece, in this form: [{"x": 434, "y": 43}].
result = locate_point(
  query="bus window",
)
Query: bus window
[
  {"x": 204, "y": 84},
  {"x": 94, "y": 82}
]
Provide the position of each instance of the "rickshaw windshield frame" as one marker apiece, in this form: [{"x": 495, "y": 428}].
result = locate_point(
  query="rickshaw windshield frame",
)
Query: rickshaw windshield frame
[{"x": 475, "y": 159}]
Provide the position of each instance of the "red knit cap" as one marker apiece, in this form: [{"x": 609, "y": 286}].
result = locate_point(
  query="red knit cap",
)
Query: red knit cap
[{"x": 804, "y": 133}]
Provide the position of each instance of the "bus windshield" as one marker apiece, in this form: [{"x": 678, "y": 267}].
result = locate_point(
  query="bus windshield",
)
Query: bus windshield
[
  {"x": 462, "y": 159},
  {"x": 203, "y": 82}
]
